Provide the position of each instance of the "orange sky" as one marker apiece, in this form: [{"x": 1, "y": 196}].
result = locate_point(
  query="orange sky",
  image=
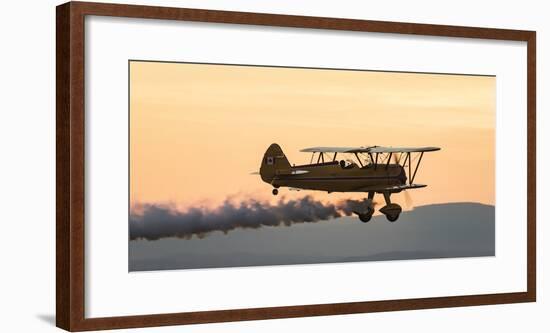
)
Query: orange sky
[{"x": 198, "y": 131}]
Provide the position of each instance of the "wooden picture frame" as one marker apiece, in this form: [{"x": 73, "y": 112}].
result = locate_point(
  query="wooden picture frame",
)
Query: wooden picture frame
[{"x": 70, "y": 194}]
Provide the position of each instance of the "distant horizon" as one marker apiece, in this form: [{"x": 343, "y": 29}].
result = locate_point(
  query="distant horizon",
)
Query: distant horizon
[
  {"x": 423, "y": 233},
  {"x": 174, "y": 210}
]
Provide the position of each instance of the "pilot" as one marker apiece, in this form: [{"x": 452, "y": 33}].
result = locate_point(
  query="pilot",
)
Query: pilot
[{"x": 348, "y": 165}]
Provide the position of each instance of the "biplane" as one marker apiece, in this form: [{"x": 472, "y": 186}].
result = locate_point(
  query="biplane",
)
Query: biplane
[{"x": 373, "y": 169}]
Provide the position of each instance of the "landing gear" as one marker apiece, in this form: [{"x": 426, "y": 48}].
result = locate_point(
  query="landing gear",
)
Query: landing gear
[
  {"x": 392, "y": 218},
  {"x": 366, "y": 216},
  {"x": 275, "y": 191},
  {"x": 391, "y": 210}
]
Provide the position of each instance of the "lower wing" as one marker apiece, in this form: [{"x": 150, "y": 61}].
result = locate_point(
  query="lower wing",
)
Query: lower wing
[{"x": 390, "y": 188}]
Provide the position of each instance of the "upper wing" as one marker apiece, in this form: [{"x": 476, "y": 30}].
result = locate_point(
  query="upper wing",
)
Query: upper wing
[
  {"x": 371, "y": 149},
  {"x": 401, "y": 149}
]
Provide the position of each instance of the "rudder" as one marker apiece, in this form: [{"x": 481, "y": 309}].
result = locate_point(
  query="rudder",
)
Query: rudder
[{"x": 274, "y": 159}]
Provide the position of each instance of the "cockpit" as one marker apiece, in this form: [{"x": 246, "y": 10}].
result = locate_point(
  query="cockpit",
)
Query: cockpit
[{"x": 345, "y": 160}]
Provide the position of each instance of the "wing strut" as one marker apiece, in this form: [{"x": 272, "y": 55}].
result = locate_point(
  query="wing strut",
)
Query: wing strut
[
  {"x": 416, "y": 168},
  {"x": 358, "y": 159}
]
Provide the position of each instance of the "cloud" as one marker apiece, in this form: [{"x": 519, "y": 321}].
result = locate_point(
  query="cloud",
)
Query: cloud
[{"x": 155, "y": 221}]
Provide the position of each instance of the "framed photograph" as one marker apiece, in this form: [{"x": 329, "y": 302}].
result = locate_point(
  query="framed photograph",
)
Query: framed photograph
[{"x": 223, "y": 166}]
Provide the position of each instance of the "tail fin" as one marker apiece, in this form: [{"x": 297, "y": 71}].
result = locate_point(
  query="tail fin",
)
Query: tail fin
[{"x": 274, "y": 159}]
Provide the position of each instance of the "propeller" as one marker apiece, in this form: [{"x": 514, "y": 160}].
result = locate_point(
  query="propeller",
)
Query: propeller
[
  {"x": 408, "y": 199},
  {"x": 254, "y": 173}
]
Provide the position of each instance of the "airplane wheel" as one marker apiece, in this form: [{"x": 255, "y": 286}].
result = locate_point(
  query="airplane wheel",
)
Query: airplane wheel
[
  {"x": 391, "y": 211},
  {"x": 392, "y": 218},
  {"x": 275, "y": 191},
  {"x": 365, "y": 217}
]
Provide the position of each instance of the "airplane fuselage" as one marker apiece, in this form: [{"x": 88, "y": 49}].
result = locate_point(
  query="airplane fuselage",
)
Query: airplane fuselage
[{"x": 331, "y": 177}]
